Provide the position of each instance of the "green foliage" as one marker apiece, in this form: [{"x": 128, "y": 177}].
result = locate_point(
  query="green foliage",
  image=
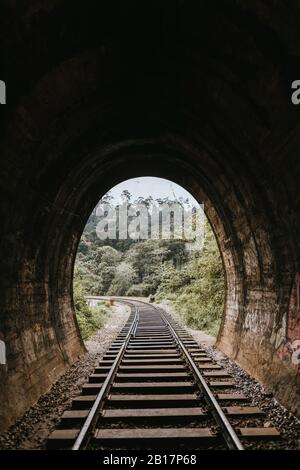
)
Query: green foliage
[
  {"x": 161, "y": 269},
  {"x": 125, "y": 277},
  {"x": 197, "y": 291},
  {"x": 89, "y": 319},
  {"x": 139, "y": 290}
]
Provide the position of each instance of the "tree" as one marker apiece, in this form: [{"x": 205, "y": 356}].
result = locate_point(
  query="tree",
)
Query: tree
[
  {"x": 126, "y": 196},
  {"x": 168, "y": 269},
  {"x": 125, "y": 277}
]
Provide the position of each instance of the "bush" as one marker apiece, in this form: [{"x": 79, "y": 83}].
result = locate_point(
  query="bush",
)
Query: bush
[
  {"x": 139, "y": 290},
  {"x": 193, "y": 281},
  {"x": 90, "y": 319},
  {"x": 197, "y": 291},
  {"x": 204, "y": 317}
]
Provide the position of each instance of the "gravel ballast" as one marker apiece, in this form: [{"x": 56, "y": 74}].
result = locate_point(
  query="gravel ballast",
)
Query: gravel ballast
[
  {"x": 275, "y": 414},
  {"x": 33, "y": 428}
]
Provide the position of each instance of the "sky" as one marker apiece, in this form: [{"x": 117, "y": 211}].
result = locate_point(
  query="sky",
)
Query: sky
[{"x": 151, "y": 186}]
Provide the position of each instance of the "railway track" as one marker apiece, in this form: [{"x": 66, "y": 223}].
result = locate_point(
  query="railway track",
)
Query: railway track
[{"x": 156, "y": 388}]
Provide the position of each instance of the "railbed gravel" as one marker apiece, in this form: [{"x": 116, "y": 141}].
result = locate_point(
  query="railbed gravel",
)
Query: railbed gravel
[
  {"x": 33, "y": 428},
  {"x": 275, "y": 414}
]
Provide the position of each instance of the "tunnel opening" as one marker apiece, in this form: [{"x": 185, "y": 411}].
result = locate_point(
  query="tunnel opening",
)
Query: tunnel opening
[
  {"x": 258, "y": 282},
  {"x": 149, "y": 238}
]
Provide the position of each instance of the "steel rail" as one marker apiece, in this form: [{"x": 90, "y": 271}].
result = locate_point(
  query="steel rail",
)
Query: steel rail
[
  {"x": 232, "y": 440},
  {"x": 87, "y": 428},
  {"x": 136, "y": 324}
]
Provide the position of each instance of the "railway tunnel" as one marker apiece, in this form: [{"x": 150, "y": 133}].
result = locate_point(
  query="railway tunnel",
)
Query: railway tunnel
[{"x": 195, "y": 92}]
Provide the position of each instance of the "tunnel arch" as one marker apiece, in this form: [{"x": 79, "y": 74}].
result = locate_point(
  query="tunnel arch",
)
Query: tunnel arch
[{"x": 103, "y": 107}]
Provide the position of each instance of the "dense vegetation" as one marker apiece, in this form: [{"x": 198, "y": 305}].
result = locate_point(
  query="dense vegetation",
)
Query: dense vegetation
[
  {"x": 89, "y": 318},
  {"x": 197, "y": 290},
  {"x": 164, "y": 270}
]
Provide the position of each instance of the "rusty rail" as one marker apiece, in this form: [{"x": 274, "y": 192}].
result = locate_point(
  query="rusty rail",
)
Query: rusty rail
[
  {"x": 232, "y": 440},
  {"x": 88, "y": 426}
]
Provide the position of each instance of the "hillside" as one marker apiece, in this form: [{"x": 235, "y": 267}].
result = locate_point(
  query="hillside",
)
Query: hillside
[{"x": 163, "y": 270}]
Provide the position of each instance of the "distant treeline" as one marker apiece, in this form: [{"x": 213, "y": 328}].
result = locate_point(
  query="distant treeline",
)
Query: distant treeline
[{"x": 165, "y": 270}]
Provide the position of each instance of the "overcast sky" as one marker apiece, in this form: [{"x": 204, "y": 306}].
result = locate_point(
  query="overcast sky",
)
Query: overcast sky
[{"x": 150, "y": 186}]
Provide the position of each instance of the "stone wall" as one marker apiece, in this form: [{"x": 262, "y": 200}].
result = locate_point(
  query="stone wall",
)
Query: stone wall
[{"x": 196, "y": 92}]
